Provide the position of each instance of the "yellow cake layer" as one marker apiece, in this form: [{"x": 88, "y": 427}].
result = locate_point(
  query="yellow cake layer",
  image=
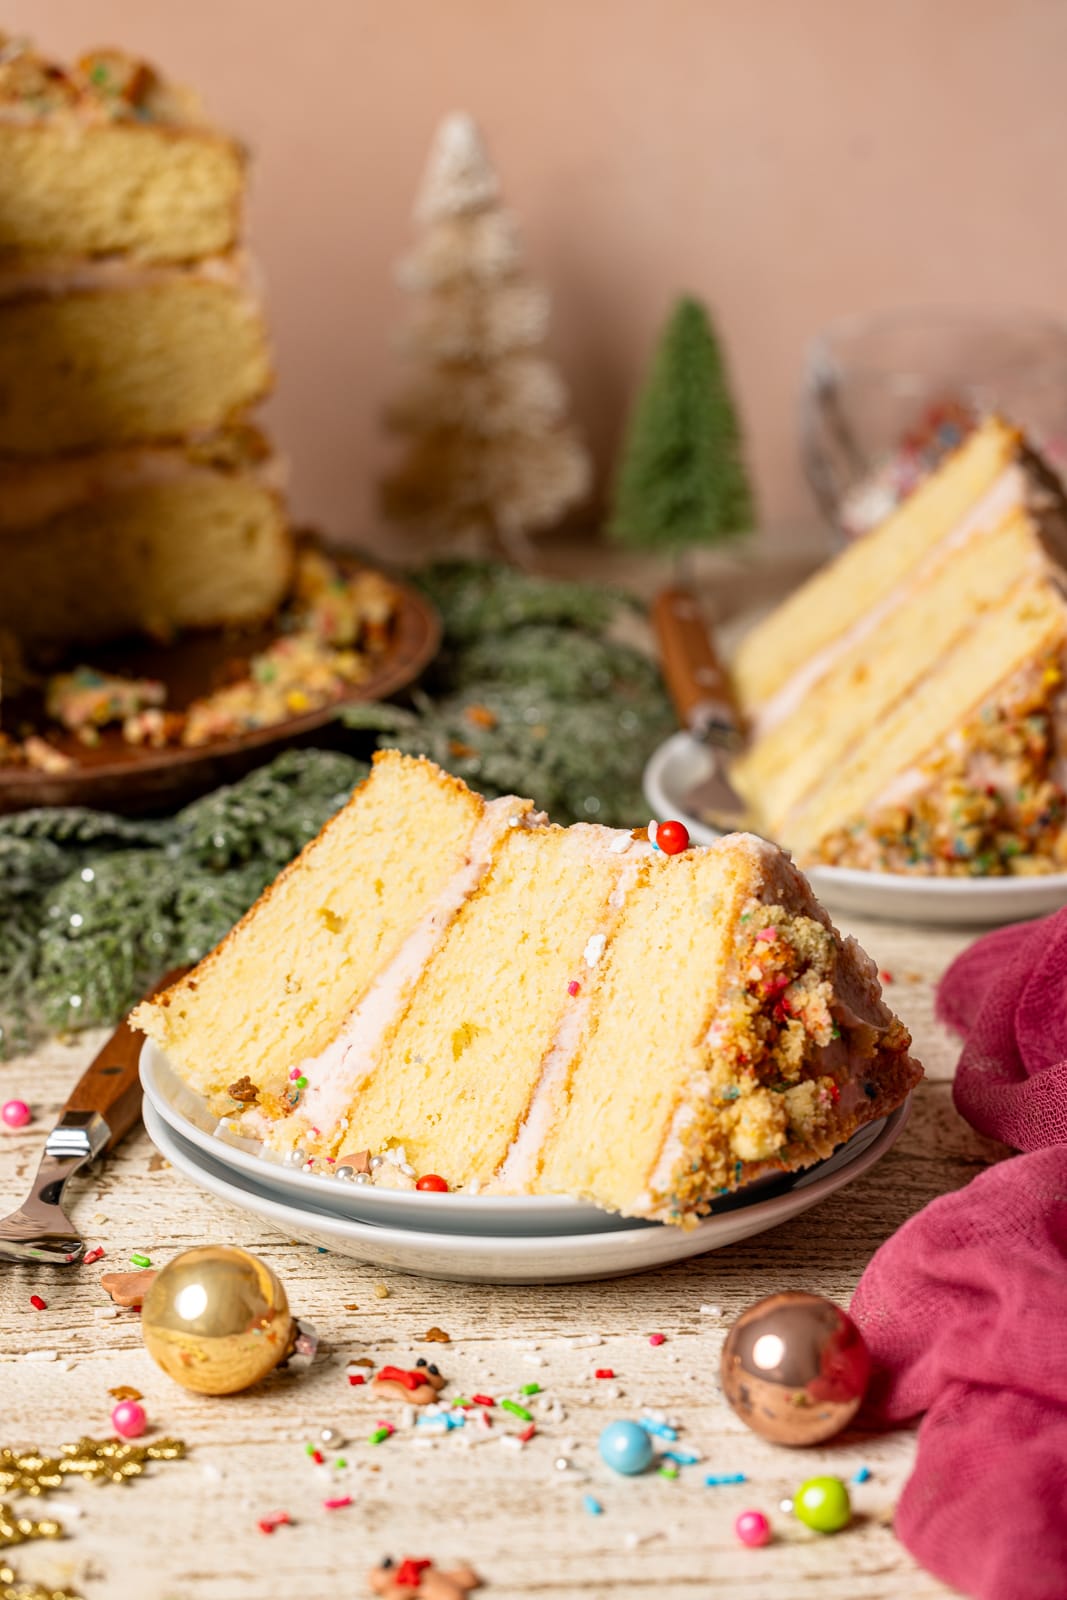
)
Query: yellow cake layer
[
  {"x": 201, "y": 550},
  {"x": 158, "y": 193},
  {"x": 172, "y": 357},
  {"x": 455, "y": 1078},
  {"x": 281, "y": 985},
  {"x": 838, "y": 596},
  {"x": 882, "y": 669},
  {"x": 1029, "y": 621},
  {"x": 679, "y": 922}
]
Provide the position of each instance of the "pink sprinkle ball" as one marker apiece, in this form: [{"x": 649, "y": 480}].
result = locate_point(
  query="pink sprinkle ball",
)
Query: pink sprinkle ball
[
  {"x": 753, "y": 1529},
  {"x": 15, "y": 1113},
  {"x": 128, "y": 1419},
  {"x": 657, "y": 1338}
]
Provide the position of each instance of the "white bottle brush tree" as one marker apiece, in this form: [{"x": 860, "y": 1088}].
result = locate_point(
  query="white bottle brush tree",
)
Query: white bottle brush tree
[{"x": 491, "y": 455}]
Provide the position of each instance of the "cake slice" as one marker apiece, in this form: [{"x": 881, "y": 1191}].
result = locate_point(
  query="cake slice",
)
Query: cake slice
[
  {"x": 546, "y": 1011},
  {"x": 107, "y": 158},
  {"x": 349, "y": 924},
  {"x": 187, "y": 535},
  {"x": 925, "y": 734},
  {"x": 96, "y": 356}
]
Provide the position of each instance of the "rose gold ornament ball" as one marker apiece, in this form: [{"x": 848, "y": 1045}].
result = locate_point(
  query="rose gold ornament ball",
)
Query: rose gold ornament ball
[{"x": 795, "y": 1368}]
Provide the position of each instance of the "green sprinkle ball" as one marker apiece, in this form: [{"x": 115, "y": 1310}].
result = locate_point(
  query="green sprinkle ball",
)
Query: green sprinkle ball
[{"x": 823, "y": 1504}]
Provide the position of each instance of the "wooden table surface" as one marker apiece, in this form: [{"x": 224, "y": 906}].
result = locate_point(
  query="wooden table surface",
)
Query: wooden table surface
[{"x": 189, "y": 1528}]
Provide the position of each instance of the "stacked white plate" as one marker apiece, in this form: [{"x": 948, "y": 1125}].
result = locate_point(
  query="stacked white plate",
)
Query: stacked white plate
[{"x": 469, "y": 1238}]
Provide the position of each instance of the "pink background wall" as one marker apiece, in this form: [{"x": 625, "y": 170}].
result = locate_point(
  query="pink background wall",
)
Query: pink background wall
[{"x": 788, "y": 159}]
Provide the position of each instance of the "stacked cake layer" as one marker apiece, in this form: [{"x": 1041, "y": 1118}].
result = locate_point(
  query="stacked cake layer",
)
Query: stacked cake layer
[
  {"x": 443, "y": 985},
  {"x": 906, "y": 706},
  {"x": 131, "y": 349}
]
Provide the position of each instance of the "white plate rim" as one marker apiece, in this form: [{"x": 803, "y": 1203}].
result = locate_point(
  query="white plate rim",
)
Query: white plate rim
[
  {"x": 964, "y": 899},
  {"x": 661, "y": 1243},
  {"x": 505, "y": 1216}
]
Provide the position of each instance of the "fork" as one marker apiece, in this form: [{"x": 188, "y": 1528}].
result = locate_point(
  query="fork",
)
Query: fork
[{"x": 105, "y": 1104}]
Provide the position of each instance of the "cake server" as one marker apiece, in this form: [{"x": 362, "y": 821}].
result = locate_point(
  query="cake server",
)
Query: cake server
[
  {"x": 105, "y": 1104},
  {"x": 700, "y": 688}
]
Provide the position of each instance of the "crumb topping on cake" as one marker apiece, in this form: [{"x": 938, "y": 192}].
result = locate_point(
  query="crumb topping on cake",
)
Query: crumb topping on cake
[
  {"x": 104, "y": 85},
  {"x": 991, "y": 801}
]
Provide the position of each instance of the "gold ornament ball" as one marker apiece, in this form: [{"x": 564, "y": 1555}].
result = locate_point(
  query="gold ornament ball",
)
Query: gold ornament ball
[
  {"x": 795, "y": 1368},
  {"x": 217, "y": 1320}
]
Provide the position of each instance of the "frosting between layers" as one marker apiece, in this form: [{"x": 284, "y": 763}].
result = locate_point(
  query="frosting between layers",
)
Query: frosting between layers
[
  {"x": 1007, "y": 492},
  {"x": 335, "y": 1075},
  {"x": 518, "y": 1168},
  {"x": 110, "y": 274},
  {"x": 32, "y": 492}
]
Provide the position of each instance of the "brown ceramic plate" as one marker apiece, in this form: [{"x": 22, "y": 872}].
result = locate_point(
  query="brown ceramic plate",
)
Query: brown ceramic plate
[{"x": 114, "y": 775}]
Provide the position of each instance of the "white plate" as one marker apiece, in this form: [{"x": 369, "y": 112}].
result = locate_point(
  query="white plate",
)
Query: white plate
[
  {"x": 477, "y": 1258},
  {"x": 507, "y": 1216},
  {"x": 680, "y": 763}
]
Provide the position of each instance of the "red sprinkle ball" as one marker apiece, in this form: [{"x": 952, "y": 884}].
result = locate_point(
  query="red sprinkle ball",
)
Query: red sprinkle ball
[
  {"x": 672, "y": 838},
  {"x": 432, "y": 1184},
  {"x": 573, "y": 988},
  {"x": 37, "y": 1303},
  {"x": 409, "y": 1572}
]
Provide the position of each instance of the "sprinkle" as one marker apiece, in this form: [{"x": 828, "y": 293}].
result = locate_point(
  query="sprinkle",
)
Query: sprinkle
[
  {"x": 594, "y": 948},
  {"x": 356, "y": 1378},
  {"x": 274, "y": 1519},
  {"x": 484, "y": 1400},
  {"x": 381, "y": 1291},
  {"x": 657, "y": 1338},
  {"x": 139, "y": 1260},
  {"x": 862, "y": 1475},
  {"x": 409, "y": 1573},
  {"x": 684, "y": 1458},
  {"x": 37, "y": 1303},
  {"x": 604, "y": 1372},
  {"x": 380, "y": 1434},
  {"x": 294, "y": 1074},
  {"x": 884, "y": 976},
  {"x": 96, "y": 1254},
  {"x": 301, "y": 1082},
  {"x": 338, "y": 1503},
  {"x": 530, "y": 1388},
  {"x": 662, "y": 1430},
  {"x": 594, "y": 1508},
  {"x": 573, "y": 987},
  {"x": 668, "y": 1472},
  {"x": 316, "y": 1455},
  {"x": 711, "y": 1311},
  {"x": 527, "y": 1433},
  {"x": 516, "y": 1410},
  {"x": 715, "y": 1480}
]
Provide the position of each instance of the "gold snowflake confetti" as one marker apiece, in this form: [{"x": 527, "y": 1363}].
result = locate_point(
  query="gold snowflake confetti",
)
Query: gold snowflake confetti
[
  {"x": 18, "y": 1530},
  {"x": 95, "y": 1460},
  {"x": 12, "y": 1587}
]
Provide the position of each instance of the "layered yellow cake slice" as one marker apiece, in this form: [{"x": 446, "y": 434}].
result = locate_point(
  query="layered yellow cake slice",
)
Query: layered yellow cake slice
[
  {"x": 906, "y": 706},
  {"x": 440, "y": 986},
  {"x": 106, "y": 158},
  {"x": 143, "y": 538}
]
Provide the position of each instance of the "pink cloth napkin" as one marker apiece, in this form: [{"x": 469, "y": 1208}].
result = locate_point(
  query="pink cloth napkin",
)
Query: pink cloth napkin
[{"x": 965, "y": 1307}]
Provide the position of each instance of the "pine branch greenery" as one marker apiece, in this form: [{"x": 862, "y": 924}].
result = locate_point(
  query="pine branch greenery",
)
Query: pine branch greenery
[
  {"x": 682, "y": 480},
  {"x": 531, "y": 695}
]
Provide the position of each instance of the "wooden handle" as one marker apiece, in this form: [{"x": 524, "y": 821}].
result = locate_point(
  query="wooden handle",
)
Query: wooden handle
[
  {"x": 110, "y": 1083},
  {"x": 698, "y": 684}
]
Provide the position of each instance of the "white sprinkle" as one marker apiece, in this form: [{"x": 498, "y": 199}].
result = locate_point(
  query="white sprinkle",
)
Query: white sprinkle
[
  {"x": 105, "y": 1313},
  {"x": 653, "y": 829},
  {"x": 594, "y": 948},
  {"x": 41, "y": 1355},
  {"x": 511, "y": 1441},
  {"x": 711, "y": 1311},
  {"x": 534, "y": 1361},
  {"x": 209, "y": 1470},
  {"x": 586, "y": 1341},
  {"x": 623, "y": 842}
]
